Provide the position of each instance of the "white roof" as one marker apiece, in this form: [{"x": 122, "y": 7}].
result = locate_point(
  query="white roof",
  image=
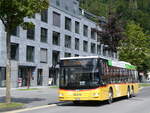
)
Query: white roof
[
  {"x": 83, "y": 57},
  {"x": 113, "y": 62}
]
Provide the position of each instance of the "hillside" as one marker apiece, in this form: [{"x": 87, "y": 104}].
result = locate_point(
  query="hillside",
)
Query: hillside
[{"x": 130, "y": 10}]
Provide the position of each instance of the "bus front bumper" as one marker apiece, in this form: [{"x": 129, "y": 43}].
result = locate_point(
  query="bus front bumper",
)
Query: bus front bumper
[{"x": 79, "y": 98}]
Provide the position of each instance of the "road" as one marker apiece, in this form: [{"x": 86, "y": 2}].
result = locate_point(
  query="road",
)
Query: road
[{"x": 138, "y": 104}]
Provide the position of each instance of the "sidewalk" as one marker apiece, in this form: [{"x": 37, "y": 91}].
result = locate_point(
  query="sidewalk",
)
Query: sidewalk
[{"x": 42, "y": 96}]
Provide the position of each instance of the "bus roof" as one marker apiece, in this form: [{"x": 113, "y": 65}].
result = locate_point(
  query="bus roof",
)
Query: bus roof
[
  {"x": 116, "y": 63},
  {"x": 83, "y": 57}
]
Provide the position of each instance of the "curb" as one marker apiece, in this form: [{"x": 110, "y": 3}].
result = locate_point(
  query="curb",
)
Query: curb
[
  {"x": 29, "y": 109},
  {"x": 25, "y": 108}
]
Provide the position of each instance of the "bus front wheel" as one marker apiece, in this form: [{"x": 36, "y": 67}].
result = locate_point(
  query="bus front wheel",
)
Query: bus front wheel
[{"x": 76, "y": 102}]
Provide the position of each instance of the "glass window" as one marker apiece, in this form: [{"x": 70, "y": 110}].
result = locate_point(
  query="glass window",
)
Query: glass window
[
  {"x": 57, "y": 2},
  {"x": 76, "y": 43},
  {"x": 56, "y": 19},
  {"x": 43, "y": 55},
  {"x": 79, "y": 74},
  {"x": 14, "y": 51},
  {"x": 67, "y": 23},
  {"x": 30, "y": 34},
  {"x": 85, "y": 46},
  {"x": 56, "y": 38},
  {"x": 85, "y": 30},
  {"x": 76, "y": 55},
  {"x": 55, "y": 57},
  {"x": 93, "y": 48},
  {"x": 30, "y": 54},
  {"x": 77, "y": 27},
  {"x": 66, "y": 7},
  {"x": 93, "y": 34},
  {"x": 44, "y": 35},
  {"x": 98, "y": 49},
  {"x": 15, "y": 32},
  {"x": 67, "y": 41},
  {"x": 44, "y": 16},
  {"x": 67, "y": 54}
]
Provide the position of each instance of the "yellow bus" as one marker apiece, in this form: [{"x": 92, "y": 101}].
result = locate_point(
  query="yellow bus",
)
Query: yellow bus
[{"x": 94, "y": 78}]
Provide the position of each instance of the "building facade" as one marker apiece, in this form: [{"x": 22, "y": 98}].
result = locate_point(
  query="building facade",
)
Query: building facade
[{"x": 61, "y": 31}]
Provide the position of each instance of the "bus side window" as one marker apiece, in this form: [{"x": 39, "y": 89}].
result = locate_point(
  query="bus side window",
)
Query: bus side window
[{"x": 102, "y": 68}]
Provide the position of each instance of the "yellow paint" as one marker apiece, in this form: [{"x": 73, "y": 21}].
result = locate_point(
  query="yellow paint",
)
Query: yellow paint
[{"x": 98, "y": 94}]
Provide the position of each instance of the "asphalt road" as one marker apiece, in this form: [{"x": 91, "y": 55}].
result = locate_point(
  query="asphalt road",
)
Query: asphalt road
[
  {"x": 33, "y": 98},
  {"x": 138, "y": 104}
]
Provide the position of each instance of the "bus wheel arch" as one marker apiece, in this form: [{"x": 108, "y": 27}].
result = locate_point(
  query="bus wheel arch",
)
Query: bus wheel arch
[{"x": 110, "y": 95}]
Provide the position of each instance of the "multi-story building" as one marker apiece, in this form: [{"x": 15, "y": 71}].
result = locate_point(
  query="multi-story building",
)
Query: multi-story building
[{"x": 61, "y": 31}]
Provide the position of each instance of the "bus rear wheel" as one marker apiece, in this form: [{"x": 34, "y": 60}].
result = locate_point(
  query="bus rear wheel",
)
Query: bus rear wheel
[
  {"x": 110, "y": 96},
  {"x": 128, "y": 93},
  {"x": 76, "y": 102},
  {"x": 132, "y": 92}
]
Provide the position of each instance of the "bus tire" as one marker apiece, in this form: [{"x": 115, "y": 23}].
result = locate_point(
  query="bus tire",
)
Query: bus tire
[
  {"x": 110, "y": 96},
  {"x": 132, "y": 92},
  {"x": 128, "y": 93},
  {"x": 76, "y": 102}
]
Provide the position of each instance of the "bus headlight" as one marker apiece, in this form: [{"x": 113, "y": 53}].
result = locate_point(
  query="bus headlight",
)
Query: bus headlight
[
  {"x": 61, "y": 95},
  {"x": 95, "y": 94}
]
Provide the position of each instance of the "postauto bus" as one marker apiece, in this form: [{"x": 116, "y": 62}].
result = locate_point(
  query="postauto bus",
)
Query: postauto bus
[{"x": 95, "y": 78}]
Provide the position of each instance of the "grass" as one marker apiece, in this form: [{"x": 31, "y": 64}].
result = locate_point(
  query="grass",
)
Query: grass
[
  {"x": 53, "y": 87},
  {"x": 144, "y": 84},
  {"x": 30, "y": 89},
  {"x": 10, "y": 105}
]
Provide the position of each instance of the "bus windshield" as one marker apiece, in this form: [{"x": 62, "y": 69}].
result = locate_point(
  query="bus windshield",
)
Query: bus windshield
[{"x": 79, "y": 74}]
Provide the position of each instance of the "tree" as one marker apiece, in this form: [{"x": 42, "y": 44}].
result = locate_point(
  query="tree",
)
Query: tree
[
  {"x": 12, "y": 13},
  {"x": 112, "y": 32},
  {"x": 135, "y": 48},
  {"x": 130, "y": 10}
]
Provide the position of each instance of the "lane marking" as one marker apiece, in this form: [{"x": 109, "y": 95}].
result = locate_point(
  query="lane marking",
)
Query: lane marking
[{"x": 29, "y": 109}]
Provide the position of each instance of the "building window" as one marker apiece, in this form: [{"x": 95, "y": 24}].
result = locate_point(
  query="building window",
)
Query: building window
[
  {"x": 76, "y": 55},
  {"x": 99, "y": 49},
  {"x": 77, "y": 27},
  {"x": 67, "y": 23},
  {"x": 66, "y": 7},
  {"x": 31, "y": 33},
  {"x": 56, "y": 19},
  {"x": 43, "y": 55},
  {"x": 85, "y": 46},
  {"x": 44, "y": 16},
  {"x": 55, "y": 57},
  {"x": 58, "y": 2},
  {"x": 67, "y": 54},
  {"x": 76, "y": 43},
  {"x": 99, "y": 39},
  {"x": 30, "y": 54},
  {"x": 2, "y": 76},
  {"x": 44, "y": 35},
  {"x": 93, "y": 34},
  {"x": 14, "y": 51},
  {"x": 67, "y": 41},
  {"x": 93, "y": 48},
  {"x": 56, "y": 38},
  {"x": 85, "y": 30},
  {"x": 15, "y": 32}
]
